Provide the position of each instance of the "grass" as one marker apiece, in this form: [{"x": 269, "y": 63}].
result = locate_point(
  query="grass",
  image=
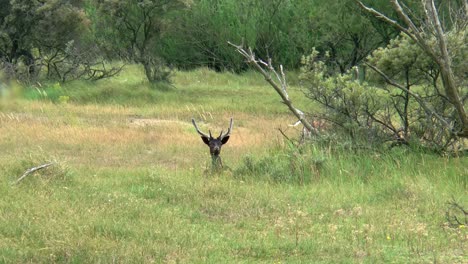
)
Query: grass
[{"x": 131, "y": 186}]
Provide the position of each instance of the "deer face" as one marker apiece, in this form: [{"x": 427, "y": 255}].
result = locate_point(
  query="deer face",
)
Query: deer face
[{"x": 215, "y": 144}]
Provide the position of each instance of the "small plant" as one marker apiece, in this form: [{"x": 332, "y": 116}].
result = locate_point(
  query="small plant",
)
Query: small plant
[
  {"x": 63, "y": 99},
  {"x": 50, "y": 92}
]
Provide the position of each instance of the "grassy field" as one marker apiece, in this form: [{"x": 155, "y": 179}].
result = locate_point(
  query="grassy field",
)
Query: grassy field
[{"x": 131, "y": 183}]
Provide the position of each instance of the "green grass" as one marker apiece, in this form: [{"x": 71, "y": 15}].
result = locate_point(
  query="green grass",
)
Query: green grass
[{"x": 131, "y": 183}]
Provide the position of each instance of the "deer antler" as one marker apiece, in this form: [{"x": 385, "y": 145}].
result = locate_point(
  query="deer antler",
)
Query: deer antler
[
  {"x": 199, "y": 131},
  {"x": 228, "y": 132}
]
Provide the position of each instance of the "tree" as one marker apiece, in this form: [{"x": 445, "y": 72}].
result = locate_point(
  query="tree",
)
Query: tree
[
  {"x": 416, "y": 112},
  {"x": 17, "y": 28},
  {"x": 51, "y": 36},
  {"x": 431, "y": 35},
  {"x": 348, "y": 39},
  {"x": 404, "y": 61},
  {"x": 132, "y": 30}
]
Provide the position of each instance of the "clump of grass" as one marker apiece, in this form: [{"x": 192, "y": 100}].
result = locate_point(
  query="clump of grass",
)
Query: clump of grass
[
  {"x": 58, "y": 171},
  {"x": 49, "y": 91},
  {"x": 296, "y": 165},
  {"x": 89, "y": 92}
]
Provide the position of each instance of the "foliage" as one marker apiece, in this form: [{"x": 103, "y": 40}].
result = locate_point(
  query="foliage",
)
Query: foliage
[
  {"x": 404, "y": 61},
  {"x": 387, "y": 113},
  {"x": 160, "y": 34},
  {"x": 282, "y": 30},
  {"x": 50, "y": 36},
  {"x": 347, "y": 39},
  {"x": 133, "y": 30},
  {"x": 360, "y": 110}
]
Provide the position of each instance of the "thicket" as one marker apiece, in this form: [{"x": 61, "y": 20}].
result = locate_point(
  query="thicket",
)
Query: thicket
[
  {"x": 420, "y": 100},
  {"x": 375, "y": 113},
  {"x": 423, "y": 95},
  {"x": 66, "y": 40}
]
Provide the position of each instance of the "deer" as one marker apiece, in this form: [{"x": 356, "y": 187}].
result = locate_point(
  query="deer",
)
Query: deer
[{"x": 215, "y": 144}]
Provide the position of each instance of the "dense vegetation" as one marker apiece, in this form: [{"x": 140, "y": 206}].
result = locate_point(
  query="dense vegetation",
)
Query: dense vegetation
[
  {"x": 105, "y": 90},
  {"x": 44, "y": 35},
  {"x": 54, "y": 37}
]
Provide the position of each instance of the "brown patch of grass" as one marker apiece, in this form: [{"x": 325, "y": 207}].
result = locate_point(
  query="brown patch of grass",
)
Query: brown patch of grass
[{"x": 113, "y": 135}]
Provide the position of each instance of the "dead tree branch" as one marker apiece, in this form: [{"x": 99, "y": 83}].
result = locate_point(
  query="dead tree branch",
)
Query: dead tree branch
[
  {"x": 429, "y": 111},
  {"x": 439, "y": 52},
  {"x": 33, "y": 169},
  {"x": 267, "y": 70}
]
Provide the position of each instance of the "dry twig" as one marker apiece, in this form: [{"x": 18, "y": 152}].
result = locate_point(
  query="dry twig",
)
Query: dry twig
[
  {"x": 33, "y": 169},
  {"x": 267, "y": 70}
]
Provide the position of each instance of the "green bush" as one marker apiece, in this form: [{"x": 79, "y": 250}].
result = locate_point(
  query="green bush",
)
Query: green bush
[{"x": 50, "y": 91}]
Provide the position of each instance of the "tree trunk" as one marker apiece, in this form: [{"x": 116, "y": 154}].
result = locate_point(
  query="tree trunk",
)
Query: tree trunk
[
  {"x": 445, "y": 64},
  {"x": 454, "y": 97}
]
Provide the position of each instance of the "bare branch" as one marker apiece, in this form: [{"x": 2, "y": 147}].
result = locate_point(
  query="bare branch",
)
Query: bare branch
[
  {"x": 280, "y": 89},
  {"x": 286, "y": 137},
  {"x": 382, "y": 17},
  {"x": 33, "y": 169},
  {"x": 454, "y": 210},
  {"x": 414, "y": 95}
]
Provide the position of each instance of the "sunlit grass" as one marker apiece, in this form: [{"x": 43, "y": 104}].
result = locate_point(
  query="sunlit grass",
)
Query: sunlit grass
[{"x": 132, "y": 183}]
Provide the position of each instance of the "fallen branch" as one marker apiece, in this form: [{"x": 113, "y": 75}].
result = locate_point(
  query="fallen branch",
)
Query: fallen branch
[
  {"x": 456, "y": 215},
  {"x": 33, "y": 169}
]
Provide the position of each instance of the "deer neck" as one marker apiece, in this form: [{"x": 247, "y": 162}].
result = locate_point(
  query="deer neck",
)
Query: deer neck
[{"x": 216, "y": 161}]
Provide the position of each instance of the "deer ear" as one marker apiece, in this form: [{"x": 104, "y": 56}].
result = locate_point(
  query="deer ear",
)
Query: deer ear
[
  {"x": 206, "y": 140},
  {"x": 225, "y": 140}
]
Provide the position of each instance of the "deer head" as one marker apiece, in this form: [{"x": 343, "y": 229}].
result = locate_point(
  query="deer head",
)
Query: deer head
[{"x": 215, "y": 144}]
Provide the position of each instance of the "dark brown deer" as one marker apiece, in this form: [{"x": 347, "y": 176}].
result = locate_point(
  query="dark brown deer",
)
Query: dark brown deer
[{"x": 215, "y": 144}]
